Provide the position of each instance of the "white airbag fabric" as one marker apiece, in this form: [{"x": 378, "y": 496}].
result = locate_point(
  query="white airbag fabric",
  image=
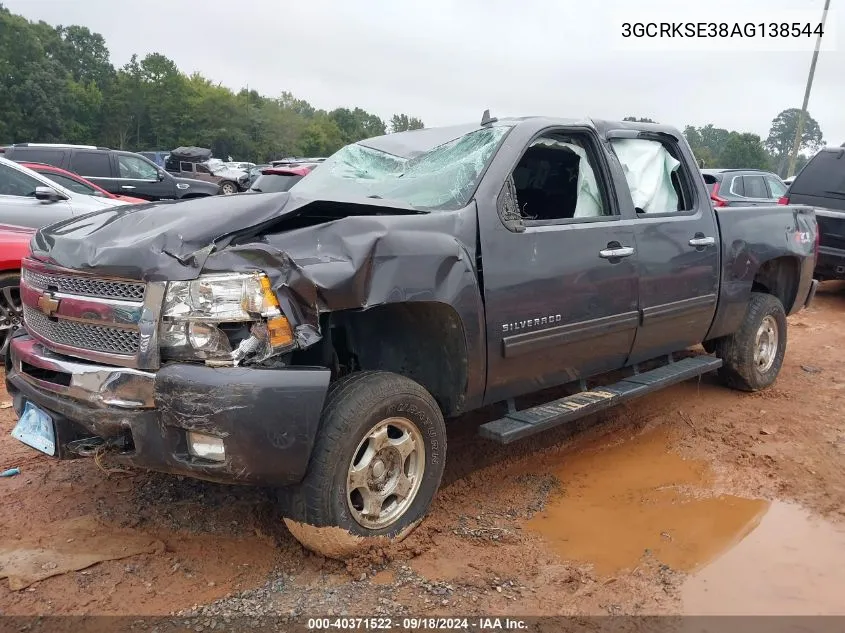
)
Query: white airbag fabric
[{"x": 648, "y": 168}]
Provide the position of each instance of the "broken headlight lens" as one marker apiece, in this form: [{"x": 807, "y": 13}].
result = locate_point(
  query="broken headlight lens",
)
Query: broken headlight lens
[
  {"x": 221, "y": 298},
  {"x": 201, "y": 317}
]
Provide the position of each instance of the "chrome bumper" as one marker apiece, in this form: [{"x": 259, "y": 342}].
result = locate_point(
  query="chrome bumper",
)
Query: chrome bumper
[{"x": 98, "y": 385}]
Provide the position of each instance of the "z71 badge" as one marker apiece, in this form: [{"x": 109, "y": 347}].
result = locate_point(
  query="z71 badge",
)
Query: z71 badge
[{"x": 526, "y": 324}]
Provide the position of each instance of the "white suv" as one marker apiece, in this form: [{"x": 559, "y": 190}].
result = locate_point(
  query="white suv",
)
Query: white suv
[{"x": 30, "y": 199}]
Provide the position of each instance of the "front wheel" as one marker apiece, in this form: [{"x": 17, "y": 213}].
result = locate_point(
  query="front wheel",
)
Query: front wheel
[
  {"x": 753, "y": 355},
  {"x": 376, "y": 466},
  {"x": 11, "y": 310},
  {"x": 228, "y": 188}
]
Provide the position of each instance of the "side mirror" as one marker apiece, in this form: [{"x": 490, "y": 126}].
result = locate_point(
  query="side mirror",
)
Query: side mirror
[
  {"x": 47, "y": 194},
  {"x": 160, "y": 175}
]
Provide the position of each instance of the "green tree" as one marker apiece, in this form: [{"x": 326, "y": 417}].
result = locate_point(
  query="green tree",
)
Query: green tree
[
  {"x": 403, "y": 123},
  {"x": 744, "y": 151},
  {"x": 782, "y": 136},
  {"x": 322, "y": 137}
]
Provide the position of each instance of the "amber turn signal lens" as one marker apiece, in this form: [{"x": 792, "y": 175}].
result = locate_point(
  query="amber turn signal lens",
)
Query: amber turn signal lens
[{"x": 279, "y": 331}]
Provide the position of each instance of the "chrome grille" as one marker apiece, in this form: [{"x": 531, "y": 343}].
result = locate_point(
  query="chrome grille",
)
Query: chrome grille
[
  {"x": 85, "y": 336},
  {"x": 86, "y": 286}
]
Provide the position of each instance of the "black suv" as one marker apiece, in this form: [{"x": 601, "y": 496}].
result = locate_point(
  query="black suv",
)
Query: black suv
[
  {"x": 116, "y": 171},
  {"x": 743, "y": 187},
  {"x": 821, "y": 184}
]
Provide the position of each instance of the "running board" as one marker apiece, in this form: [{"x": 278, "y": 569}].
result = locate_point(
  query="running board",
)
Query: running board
[{"x": 519, "y": 424}]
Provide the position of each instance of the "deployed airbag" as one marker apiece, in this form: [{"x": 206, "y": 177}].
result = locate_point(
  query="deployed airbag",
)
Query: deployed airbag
[{"x": 648, "y": 167}]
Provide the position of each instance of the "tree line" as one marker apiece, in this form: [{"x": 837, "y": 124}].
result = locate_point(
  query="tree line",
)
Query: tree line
[
  {"x": 58, "y": 85},
  {"x": 729, "y": 149}
]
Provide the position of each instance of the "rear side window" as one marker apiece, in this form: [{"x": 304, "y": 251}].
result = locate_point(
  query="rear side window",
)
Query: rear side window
[
  {"x": 38, "y": 155},
  {"x": 658, "y": 180},
  {"x": 270, "y": 183},
  {"x": 91, "y": 164},
  {"x": 823, "y": 176},
  {"x": 755, "y": 187},
  {"x": 776, "y": 187},
  {"x": 710, "y": 180}
]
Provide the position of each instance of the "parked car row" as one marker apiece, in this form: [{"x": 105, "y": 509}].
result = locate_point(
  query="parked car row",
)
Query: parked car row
[{"x": 118, "y": 172}]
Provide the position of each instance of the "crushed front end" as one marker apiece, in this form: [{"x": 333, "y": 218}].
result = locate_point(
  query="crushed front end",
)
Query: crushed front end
[{"x": 185, "y": 377}]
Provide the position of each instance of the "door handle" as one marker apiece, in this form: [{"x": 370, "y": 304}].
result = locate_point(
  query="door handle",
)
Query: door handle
[
  {"x": 700, "y": 241},
  {"x": 615, "y": 253},
  {"x": 127, "y": 186}
]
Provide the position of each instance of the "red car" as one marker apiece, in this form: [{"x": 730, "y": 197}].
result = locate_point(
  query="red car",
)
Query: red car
[
  {"x": 77, "y": 183},
  {"x": 14, "y": 246},
  {"x": 275, "y": 179}
]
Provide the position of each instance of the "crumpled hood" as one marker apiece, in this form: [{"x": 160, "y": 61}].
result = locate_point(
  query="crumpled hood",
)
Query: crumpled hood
[{"x": 171, "y": 240}]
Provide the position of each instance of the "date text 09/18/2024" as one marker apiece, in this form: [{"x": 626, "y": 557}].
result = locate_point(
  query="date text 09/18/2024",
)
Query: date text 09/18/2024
[{"x": 417, "y": 624}]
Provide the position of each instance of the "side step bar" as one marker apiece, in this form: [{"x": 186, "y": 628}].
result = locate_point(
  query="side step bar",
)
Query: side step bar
[{"x": 519, "y": 424}]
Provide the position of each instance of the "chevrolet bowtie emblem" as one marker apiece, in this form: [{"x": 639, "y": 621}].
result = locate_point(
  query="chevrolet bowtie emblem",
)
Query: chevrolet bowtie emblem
[{"x": 47, "y": 304}]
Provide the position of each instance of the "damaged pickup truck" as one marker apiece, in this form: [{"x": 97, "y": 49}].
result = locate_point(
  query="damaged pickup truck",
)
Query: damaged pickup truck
[{"x": 316, "y": 340}]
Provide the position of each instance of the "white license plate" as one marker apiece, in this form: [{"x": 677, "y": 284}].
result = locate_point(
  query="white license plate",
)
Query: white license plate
[{"x": 35, "y": 429}]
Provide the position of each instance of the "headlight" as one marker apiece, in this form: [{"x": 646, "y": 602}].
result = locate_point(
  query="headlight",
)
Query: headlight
[
  {"x": 225, "y": 317},
  {"x": 222, "y": 298}
]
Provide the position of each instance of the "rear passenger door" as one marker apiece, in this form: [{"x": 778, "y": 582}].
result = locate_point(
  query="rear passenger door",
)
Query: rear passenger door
[
  {"x": 677, "y": 243},
  {"x": 559, "y": 263},
  {"x": 96, "y": 166}
]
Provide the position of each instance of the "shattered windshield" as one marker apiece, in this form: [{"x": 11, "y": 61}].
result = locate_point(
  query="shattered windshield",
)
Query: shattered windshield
[{"x": 443, "y": 178}]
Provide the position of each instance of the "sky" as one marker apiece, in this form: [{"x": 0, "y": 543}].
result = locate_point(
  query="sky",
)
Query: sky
[{"x": 446, "y": 61}]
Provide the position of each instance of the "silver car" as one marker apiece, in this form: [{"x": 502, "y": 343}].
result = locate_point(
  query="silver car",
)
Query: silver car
[{"x": 30, "y": 199}]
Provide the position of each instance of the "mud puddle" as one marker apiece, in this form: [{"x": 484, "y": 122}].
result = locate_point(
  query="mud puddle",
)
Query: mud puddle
[
  {"x": 637, "y": 503},
  {"x": 791, "y": 564}
]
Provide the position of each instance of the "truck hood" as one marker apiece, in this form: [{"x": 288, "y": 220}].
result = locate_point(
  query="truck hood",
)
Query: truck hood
[
  {"x": 171, "y": 240},
  {"x": 319, "y": 254}
]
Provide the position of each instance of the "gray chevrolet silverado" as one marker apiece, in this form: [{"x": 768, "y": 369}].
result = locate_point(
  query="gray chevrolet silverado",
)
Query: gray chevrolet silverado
[{"x": 318, "y": 340}]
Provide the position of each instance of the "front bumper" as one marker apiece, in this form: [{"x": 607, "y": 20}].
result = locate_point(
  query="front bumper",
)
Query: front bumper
[{"x": 267, "y": 418}]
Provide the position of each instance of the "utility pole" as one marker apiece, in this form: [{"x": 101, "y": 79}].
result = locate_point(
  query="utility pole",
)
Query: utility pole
[{"x": 799, "y": 129}]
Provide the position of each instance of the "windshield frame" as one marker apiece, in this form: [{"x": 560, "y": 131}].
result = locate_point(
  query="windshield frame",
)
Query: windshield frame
[{"x": 307, "y": 185}]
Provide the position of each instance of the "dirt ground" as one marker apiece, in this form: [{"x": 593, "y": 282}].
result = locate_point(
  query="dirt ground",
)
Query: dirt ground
[{"x": 698, "y": 499}]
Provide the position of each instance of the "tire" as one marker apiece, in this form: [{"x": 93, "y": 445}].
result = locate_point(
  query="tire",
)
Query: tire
[
  {"x": 11, "y": 313},
  {"x": 370, "y": 420},
  {"x": 751, "y": 360},
  {"x": 227, "y": 188}
]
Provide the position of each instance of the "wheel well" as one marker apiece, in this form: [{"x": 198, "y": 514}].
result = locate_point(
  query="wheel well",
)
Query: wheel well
[
  {"x": 424, "y": 341},
  {"x": 779, "y": 277}
]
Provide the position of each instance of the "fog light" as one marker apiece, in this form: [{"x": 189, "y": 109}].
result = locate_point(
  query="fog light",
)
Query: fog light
[{"x": 206, "y": 446}]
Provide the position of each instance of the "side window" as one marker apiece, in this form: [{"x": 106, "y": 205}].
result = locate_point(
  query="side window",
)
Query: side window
[
  {"x": 555, "y": 180},
  {"x": 737, "y": 186},
  {"x": 755, "y": 187},
  {"x": 16, "y": 183},
  {"x": 138, "y": 168},
  {"x": 40, "y": 155},
  {"x": 70, "y": 183},
  {"x": 91, "y": 164},
  {"x": 203, "y": 169},
  {"x": 776, "y": 187},
  {"x": 186, "y": 166},
  {"x": 658, "y": 181}
]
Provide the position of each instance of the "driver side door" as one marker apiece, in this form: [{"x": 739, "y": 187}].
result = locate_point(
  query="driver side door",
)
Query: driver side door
[{"x": 136, "y": 176}]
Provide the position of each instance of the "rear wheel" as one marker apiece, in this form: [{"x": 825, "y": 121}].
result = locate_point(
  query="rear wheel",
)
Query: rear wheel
[
  {"x": 753, "y": 355},
  {"x": 375, "y": 468},
  {"x": 11, "y": 310}
]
